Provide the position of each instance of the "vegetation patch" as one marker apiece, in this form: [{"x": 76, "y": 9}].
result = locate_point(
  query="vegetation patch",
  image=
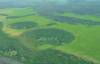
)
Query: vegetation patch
[
  {"x": 11, "y": 47},
  {"x": 72, "y": 20},
  {"x": 15, "y": 17},
  {"x": 3, "y": 14},
  {"x": 51, "y": 24},
  {"x": 51, "y": 56},
  {"x": 51, "y": 36},
  {"x": 24, "y": 25}
]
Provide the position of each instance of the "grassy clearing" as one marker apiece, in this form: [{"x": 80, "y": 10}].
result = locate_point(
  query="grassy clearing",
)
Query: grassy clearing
[
  {"x": 86, "y": 43},
  {"x": 17, "y": 11}
]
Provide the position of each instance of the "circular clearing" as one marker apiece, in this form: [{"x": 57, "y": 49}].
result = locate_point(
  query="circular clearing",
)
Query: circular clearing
[
  {"x": 24, "y": 25},
  {"x": 51, "y": 56},
  {"x": 51, "y": 36}
]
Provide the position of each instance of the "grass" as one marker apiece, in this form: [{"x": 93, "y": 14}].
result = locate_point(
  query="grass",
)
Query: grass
[
  {"x": 84, "y": 17},
  {"x": 87, "y": 38},
  {"x": 86, "y": 42}
]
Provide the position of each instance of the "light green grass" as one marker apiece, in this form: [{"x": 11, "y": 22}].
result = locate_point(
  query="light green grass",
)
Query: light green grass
[{"x": 79, "y": 16}]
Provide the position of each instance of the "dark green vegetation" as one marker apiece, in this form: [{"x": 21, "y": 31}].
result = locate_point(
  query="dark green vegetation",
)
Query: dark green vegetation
[
  {"x": 51, "y": 36},
  {"x": 72, "y": 20},
  {"x": 1, "y": 26},
  {"x": 3, "y": 14},
  {"x": 5, "y": 40},
  {"x": 12, "y": 48},
  {"x": 12, "y": 51},
  {"x": 15, "y": 17},
  {"x": 52, "y": 24},
  {"x": 24, "y": 25},
  {"x": 50, "y": 56}
]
